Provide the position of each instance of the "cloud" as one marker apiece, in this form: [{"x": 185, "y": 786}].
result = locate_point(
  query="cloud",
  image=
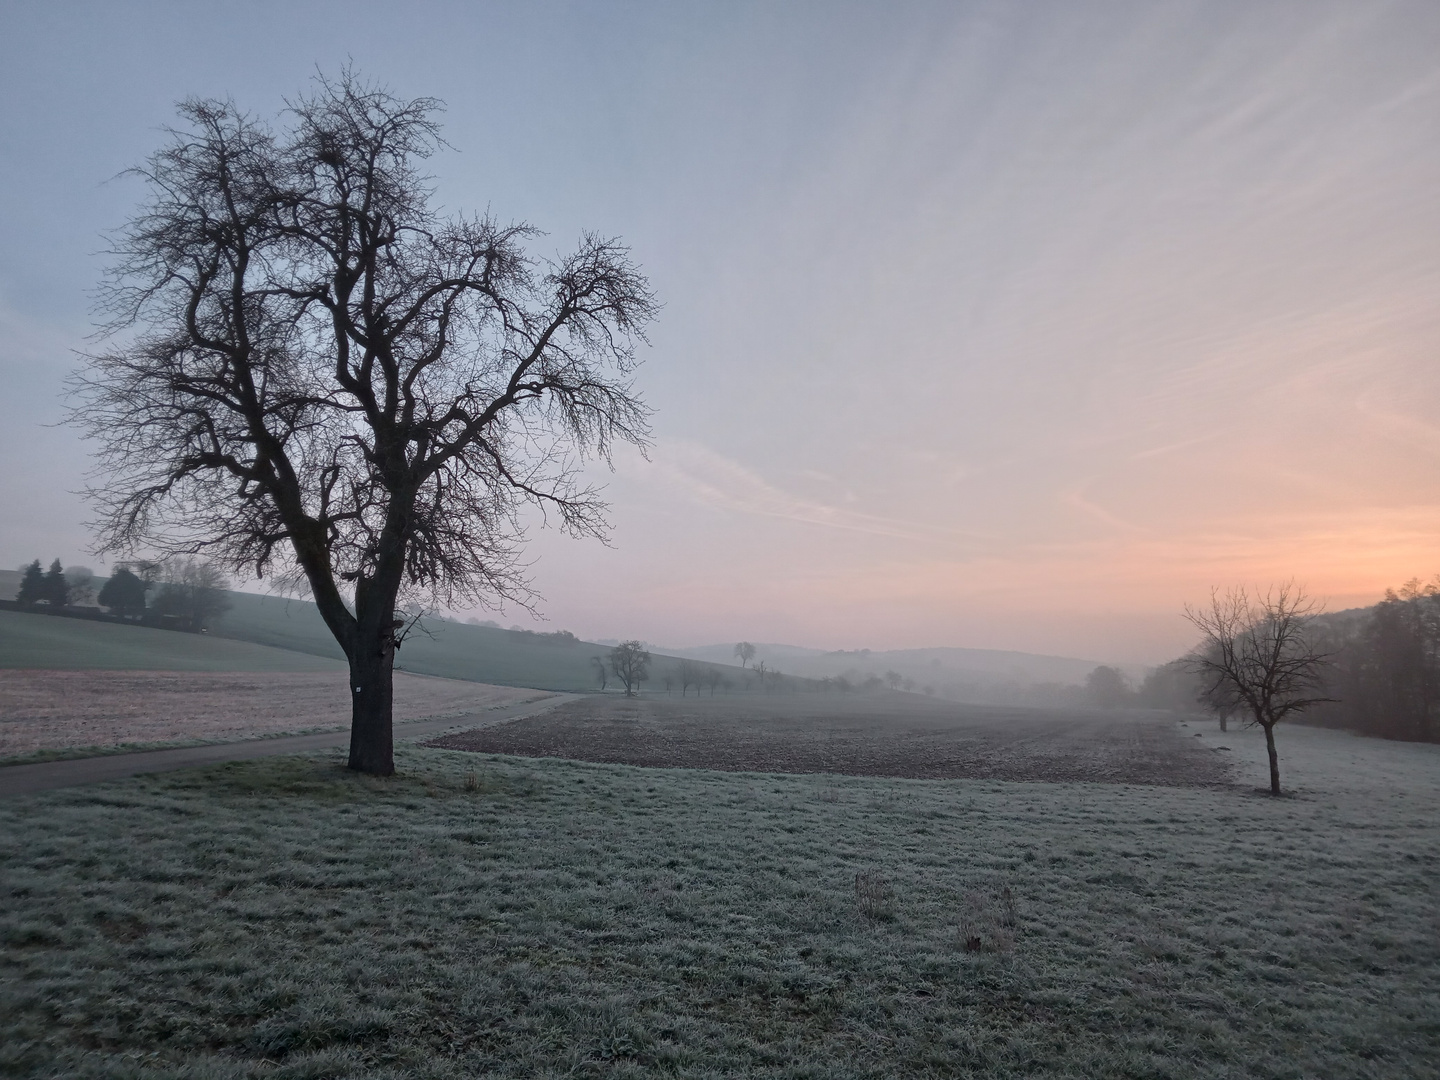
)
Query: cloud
[{"x": 719, "y": 482}]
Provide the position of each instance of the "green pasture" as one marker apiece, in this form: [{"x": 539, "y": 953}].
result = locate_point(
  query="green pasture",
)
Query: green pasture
[
  {"x": 488, "y": 916},
  {"x": 53, "y": 642},
  {"x": 451, "y": 650},
  {"x": 273, "y": 633}
]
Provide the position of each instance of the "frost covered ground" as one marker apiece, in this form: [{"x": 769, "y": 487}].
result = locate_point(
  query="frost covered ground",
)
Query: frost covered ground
[{"x": 491, "y": 916}]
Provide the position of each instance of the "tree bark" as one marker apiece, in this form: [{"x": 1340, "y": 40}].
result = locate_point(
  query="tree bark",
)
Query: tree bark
[
  {"x": 1223, "y": 719},
  {"x": 1274, "y": 759},
  {"x": 372, "y": 698}
]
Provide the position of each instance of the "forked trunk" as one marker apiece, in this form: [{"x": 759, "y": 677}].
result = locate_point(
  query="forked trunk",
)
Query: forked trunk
[
  {"x": 372, "y": 698},
  {"x": 1274, "y": 759}
]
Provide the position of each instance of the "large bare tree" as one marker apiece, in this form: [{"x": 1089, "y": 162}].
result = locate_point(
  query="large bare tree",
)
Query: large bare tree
[
  {"x": 313, "y": 373},
  {"x": 1260, "y": 653}
]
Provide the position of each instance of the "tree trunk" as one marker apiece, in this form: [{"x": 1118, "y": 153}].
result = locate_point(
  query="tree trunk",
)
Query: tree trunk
[
  {"x": 372, "y": 699},
  {"x": 1274, "y": 759},
  {"x": 1223, "y": 719}
]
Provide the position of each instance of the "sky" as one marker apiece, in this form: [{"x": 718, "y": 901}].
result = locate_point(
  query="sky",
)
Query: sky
[{"x": 992, "y": 325}]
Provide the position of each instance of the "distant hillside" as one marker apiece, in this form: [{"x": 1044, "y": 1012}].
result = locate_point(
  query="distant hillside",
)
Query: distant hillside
[
  {"x": 972, "y": 662},
  {"x": 294, "y": 628},
  {"x": 54, "y": 643},
  {"x": 511, "y": 658},
  {"x": 454, "y": 650},
  {"x": 979, "y": 675},
  {"x": 9, "y": 584}
]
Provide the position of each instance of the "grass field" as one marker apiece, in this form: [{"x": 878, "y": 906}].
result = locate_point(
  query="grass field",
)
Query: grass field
[
  {"x": 256, "y": 628},
  {"x": 51, "y": 642},
  {"x": 268, "y": 633},
  {"x": 494, "y": 916},
  {"x": 451, "y": 650}
]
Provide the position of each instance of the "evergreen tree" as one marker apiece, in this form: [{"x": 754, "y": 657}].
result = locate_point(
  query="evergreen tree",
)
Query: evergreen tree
[
  {"x": 123, "y": 594},
  {"x": 57, "y": 589},
  {"x": 32, "y": 585}
]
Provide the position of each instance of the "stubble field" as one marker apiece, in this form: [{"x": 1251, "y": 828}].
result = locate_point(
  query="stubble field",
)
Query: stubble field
[
  {"x": 899, "y": 735},
  {"x": 68, "y": 713}
]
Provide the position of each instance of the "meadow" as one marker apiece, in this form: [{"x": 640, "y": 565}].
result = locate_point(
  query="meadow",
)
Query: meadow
[
  {"x": 277, "y": 633},
  {"x": 500, "y": 916},
  {"x": 50, "y": 642}
]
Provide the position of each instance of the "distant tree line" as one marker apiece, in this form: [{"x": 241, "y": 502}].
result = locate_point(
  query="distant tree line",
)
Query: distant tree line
[
  {"x": 1383, "y": 672},
  {"x": 55, "y": 587},
  {"x": 1377, "y": 670},
  {"x": 187, "y": 594}
]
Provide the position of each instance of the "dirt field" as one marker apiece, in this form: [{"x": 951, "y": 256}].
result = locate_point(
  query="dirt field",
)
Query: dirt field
[
  {"x": 884, "y": 735},
  {"x": 56, "y": 710}
]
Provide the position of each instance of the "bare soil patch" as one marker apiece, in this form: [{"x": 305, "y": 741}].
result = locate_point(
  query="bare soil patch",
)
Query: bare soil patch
[
  {"x": 883, "y": 735},
  {"x": 57, "y": 710}
]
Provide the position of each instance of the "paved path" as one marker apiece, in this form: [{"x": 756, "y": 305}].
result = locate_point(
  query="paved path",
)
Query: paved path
[{"x": 44, "y": 775}]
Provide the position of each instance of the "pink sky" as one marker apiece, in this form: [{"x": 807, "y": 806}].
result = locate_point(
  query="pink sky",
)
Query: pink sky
[{"x": 1009, "y": 326}]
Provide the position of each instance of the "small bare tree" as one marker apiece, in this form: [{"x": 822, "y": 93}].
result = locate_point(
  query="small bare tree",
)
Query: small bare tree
[
  {"x": 690, "y": 675},
  {"x": 316, "y": 375},
  {"x": 745, "y": 652},
  {"x": 630, "y": 663},
  {"x": 193, "y": 592},
  {"x": 1259, "y": 651}
]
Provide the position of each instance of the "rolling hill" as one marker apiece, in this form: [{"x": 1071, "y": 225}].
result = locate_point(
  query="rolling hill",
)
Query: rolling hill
[
  {"x": 275, "y": 633},
  {"x": 49, "y": 642}
]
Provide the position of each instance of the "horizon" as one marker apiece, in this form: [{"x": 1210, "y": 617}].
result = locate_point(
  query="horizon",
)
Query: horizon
[{"x": 984, "y": 327}]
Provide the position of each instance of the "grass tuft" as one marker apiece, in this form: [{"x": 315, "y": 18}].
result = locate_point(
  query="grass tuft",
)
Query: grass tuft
[{"x": 874, "y": 895}]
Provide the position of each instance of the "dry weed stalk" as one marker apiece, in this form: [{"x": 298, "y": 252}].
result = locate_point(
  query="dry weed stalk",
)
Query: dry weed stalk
[
  {"x": 988, "y": 923},
  {"x": 874, "y": 894}
]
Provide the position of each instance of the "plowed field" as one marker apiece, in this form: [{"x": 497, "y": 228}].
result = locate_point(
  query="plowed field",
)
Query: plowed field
[{"x": 899, "y": 735}]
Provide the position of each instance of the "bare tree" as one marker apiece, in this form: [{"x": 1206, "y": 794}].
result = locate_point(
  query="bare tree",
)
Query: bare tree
[
  {"x": 193, "y": 592},
  {"x": 745, "y": 651},
  {"x": 690, "y": 675},
  {"x": 601, "y": 673},
  {"x": 630, "y": 663},
  {"x": 1106, "y": 688},
  {"x": 1260, "y": 650},
  {"x": 80, "y": 585},
  {"x": 323, "y": 379},
  {"x": 893, "y": 679},
  {"x": 1217, "y": 697}
]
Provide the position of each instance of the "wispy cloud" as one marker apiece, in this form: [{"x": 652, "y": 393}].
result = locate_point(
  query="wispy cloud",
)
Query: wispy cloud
[{"x": 720, "y": 482}]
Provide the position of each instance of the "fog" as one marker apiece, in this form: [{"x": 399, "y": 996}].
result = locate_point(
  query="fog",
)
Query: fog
[{"x": 986, "y": 326}]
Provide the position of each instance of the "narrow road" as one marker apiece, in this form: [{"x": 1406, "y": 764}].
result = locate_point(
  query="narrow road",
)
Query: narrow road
[{"x": 45, "y": 775}]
